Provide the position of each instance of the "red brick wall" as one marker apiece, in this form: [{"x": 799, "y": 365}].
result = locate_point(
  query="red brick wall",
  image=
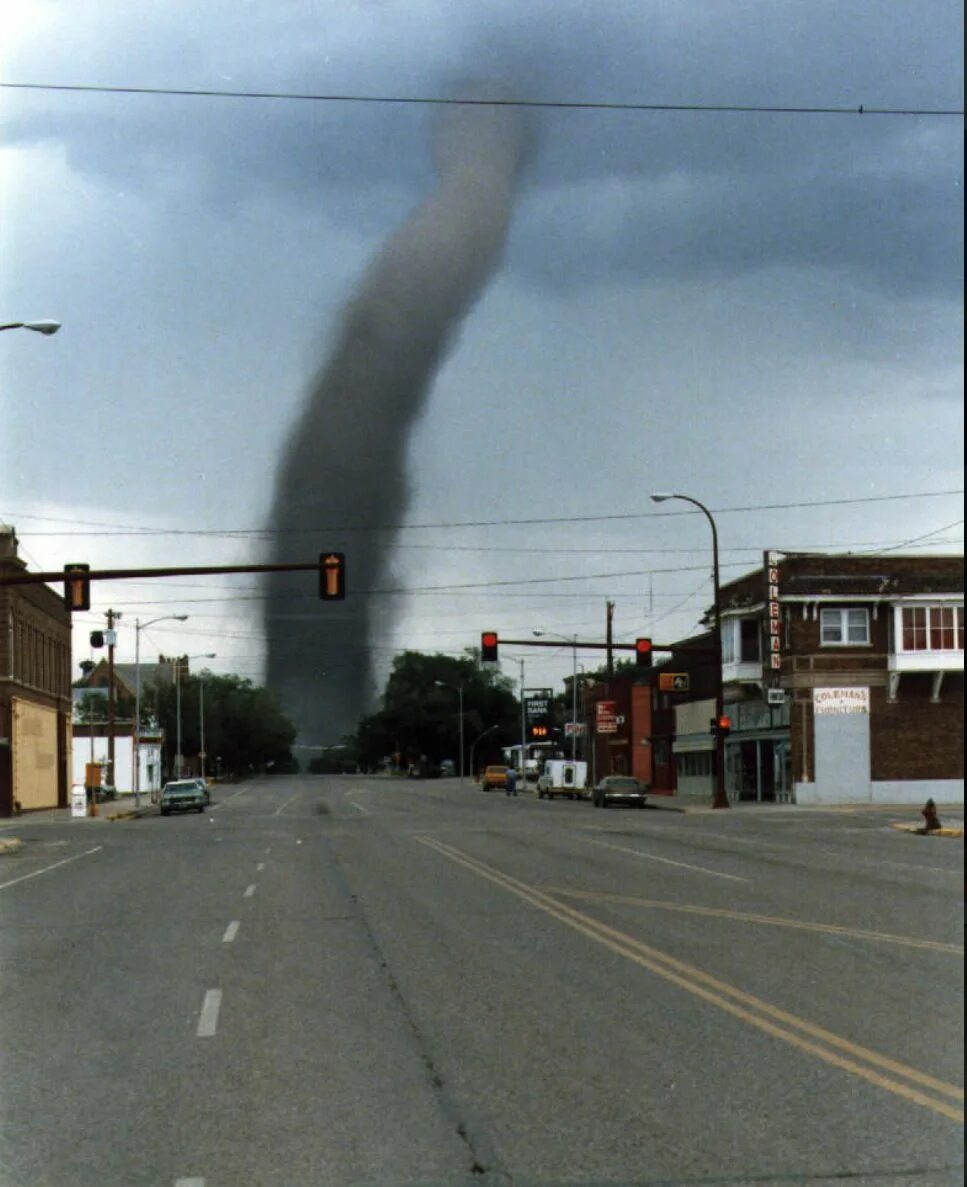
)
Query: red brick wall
[{"x": 913, "y": 738}]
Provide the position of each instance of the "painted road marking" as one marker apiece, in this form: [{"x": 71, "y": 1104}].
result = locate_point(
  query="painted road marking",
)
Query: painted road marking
[
  {"x": 63, "y": 862},
  {"x": 249, "y": 890},
  {"x": 285, "y": 803},
  {"x": 231, "y": 931},
  {"x": 208, "y": 1022},
  {"x": 834, "y": 929},
  {"x": 194, "y": 1181},
  {"x": 805, "y": 1036},
  {"x": 665, "y": 860},
  {"x": 360, "y": 808},
  {"x": 222, "y": 803},
  {"x": 260, "y": 867}
]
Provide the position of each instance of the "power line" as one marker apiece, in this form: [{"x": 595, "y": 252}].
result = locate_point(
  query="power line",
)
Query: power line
[
  {"x": 132, "y": 529},
  {"x": 465, "y": 101}
]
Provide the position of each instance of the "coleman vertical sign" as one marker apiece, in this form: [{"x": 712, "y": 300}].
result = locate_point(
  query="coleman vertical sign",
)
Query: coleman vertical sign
[{"x": 773, "y": 621}]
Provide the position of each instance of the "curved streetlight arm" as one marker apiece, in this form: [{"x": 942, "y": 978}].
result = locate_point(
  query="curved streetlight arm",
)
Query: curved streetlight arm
[
  {"x": 136, "y": 755},
  {"x": 720, "y": 799},
  {"x": 41, "y": 327}
]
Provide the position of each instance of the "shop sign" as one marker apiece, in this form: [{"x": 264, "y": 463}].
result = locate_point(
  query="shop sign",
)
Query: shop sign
[
  {"x": 841, "y": 700},
  {"x": 606, "y": 717},
  {"x": 770, "y": 564}
]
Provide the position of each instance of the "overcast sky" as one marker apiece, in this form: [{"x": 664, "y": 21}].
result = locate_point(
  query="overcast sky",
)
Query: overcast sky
[{"x": 754, "y": 309}]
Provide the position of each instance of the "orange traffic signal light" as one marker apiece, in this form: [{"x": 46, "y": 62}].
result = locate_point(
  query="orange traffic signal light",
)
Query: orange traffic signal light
[
  {"x": 77, "y": 587},
  {"x": 488, "y": 647},
  {"x": 332, "y": 576}
]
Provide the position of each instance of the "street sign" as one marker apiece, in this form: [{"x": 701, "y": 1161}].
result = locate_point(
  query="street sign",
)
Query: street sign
[
  {"x": 574, "y": 727},
  {"x": 673, "y": 682},
  {"x": 775, "y": 696}
]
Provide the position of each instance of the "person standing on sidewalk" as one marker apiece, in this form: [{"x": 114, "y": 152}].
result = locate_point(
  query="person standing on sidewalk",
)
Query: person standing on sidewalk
[{"x": 511, "y": 781}]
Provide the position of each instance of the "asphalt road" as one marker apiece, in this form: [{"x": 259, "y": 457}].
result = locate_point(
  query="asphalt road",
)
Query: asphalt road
[{"x": 345, "y": 981}]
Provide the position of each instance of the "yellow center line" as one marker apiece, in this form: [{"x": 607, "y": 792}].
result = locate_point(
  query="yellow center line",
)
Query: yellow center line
[
  {"x": 749, "y": 917},
  {"x": 745, "y": 1006}
]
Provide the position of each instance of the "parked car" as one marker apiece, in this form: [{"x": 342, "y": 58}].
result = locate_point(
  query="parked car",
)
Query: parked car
[
  {"x": 182, "y": 795},
  {"x": 204, "y": 786},
  {"x": 494, "y": 778},
  {"x": 620, "y": 789}
]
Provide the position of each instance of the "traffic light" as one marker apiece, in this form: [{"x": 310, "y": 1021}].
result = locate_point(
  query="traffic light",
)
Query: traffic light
[
  {"x": 720, "y": 725},
  {"x": 97, "y": 638},
  {"x": 77, "y": 587},
  {"x": 332, "y": 576},
  {"x": 488, "y": 647},
  {"x": 643, "y": 653}
]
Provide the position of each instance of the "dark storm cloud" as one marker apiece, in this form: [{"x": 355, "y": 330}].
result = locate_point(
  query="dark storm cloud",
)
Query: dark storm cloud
[{"x": 611, "y": 194}]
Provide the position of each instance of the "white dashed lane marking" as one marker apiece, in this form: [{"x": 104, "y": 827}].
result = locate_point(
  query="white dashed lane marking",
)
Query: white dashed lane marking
[
  {"x": 666, "y": 860},
  {"x": 46, "y": 869},
  {"x": 208, "y": 1022},
  {"x": 231, "y": 931},
  {"x": 249, "y": 890}
]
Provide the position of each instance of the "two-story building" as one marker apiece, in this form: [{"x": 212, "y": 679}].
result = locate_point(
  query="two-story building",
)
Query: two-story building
[
  {"x": 844, "y": 679},
  {"x": 35, "y": 690}
]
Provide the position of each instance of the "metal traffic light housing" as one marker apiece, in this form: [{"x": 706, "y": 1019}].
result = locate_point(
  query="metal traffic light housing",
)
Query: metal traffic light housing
[
  {"x": 77, "y": 587},
  {"x": 332, "y": 576},
  {"x": 643, "y": 653},
  {"x": 488, "y": 647}
]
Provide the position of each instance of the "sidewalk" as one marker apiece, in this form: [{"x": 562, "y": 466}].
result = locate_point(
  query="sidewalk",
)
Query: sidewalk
[{"x": 123, "y": 808}]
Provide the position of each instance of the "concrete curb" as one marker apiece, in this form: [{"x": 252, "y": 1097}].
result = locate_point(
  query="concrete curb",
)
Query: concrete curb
[
  {"x": 9, "y": 845},
  {"x": 919, "y": 831}
]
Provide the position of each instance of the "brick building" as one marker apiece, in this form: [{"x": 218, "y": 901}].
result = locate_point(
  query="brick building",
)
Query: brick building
[
  {"x": 844, "y": 679},
  {"x": 619, "y": 715},
  {"x": 35, "y": 690}
]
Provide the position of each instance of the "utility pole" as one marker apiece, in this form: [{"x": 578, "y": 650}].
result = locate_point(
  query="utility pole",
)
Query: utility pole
[
  {"x": 523, "y": 727},
  {"x": 609, "y": 612},
  {"x": 112, "y": 616}
]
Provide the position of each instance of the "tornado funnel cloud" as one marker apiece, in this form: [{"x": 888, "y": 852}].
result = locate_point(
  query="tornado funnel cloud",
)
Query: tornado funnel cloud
[{"x": 343, "y": 469}]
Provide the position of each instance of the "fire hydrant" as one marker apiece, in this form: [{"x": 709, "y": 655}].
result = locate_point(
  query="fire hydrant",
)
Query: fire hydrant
[{"x": 931, "y": 820}]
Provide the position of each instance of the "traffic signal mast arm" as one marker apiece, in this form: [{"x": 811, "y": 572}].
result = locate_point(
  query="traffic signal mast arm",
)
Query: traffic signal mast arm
[
  {"x": 183, "y": 571},
  {"x": 588, "y": 645}
]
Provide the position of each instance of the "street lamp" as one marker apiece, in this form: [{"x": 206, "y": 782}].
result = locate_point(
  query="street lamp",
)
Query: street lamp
[
  {"x": 473, "y": 745},
  {"x": 139, "y": 626},
  {"x": 573, "y": 640},
  {"x": 42, "y": 327},
  {"x": 201, "y": 655},
  {"x": 720, "y": 799},
  {"x": 459, "y": 688}
]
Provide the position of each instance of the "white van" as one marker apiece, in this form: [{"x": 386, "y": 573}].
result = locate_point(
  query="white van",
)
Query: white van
[{"x": 563, "y": 777}]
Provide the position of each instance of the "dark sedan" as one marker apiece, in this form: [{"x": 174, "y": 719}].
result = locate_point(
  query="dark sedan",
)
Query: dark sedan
[{"x": 620, "y": 789}]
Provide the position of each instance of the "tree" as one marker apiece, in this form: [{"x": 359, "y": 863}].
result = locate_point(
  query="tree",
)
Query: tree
[
  {"x": 420, "y": 720},
  {"x": 244, "y": 724}
]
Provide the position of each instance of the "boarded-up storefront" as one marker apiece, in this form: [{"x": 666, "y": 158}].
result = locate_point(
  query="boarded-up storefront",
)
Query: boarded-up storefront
[{"x": 35, "y": 774}]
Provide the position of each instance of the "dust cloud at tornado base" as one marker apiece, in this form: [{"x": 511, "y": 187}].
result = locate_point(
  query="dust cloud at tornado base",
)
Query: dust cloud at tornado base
[{"x": 343, "y": 473}]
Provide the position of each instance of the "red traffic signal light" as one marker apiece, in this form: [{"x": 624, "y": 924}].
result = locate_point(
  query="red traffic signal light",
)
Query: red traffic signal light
[
  {"x": 488, "y": 647},
  {"x": 332, "y": 576},
  {"x": 720, "y": 725},
  {"x": 77, "y": 587},
  {"x": 643, "y": 653}
]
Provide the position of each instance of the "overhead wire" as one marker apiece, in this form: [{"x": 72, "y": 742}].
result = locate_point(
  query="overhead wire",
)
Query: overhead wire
[{"x": 860, "y": 109}]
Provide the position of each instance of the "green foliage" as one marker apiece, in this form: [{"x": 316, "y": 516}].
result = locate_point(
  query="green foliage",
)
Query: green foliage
[
  {"x": 244, "y": 724},
  {"x": 419, "y": 718}
]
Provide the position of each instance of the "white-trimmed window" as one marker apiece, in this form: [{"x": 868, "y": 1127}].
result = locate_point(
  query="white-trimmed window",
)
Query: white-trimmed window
[
  {"x": 844, "y": 626},
  {"x": 932, "y": 628}
]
